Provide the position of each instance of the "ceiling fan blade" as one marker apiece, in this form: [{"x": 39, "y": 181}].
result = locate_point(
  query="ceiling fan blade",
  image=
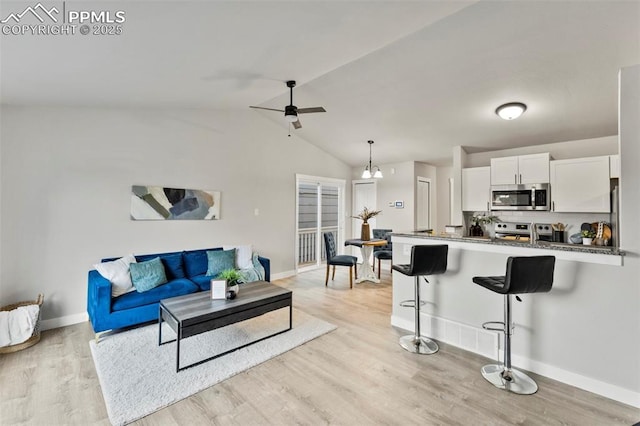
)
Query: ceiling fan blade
[
  {"x": 312, "y": 109},
  {"x": 268, "y": 109},
  {"x": 296, "y": 124}
]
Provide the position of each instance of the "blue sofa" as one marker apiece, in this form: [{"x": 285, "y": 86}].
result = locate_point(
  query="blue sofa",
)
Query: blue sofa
[{"x": 186, "y": 273}]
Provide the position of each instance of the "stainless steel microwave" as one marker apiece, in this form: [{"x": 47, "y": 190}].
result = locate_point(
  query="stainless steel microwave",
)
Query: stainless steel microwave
[{"x": 521, "y": 197}]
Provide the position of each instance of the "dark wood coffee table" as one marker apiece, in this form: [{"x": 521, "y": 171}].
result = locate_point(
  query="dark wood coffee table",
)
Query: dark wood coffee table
[{"x": 197, "y": 313}]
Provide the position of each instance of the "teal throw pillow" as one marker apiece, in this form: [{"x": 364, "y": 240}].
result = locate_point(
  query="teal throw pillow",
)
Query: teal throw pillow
[
  {"x": 219, "y": 260},
  {"x": 148, "y": 275}
]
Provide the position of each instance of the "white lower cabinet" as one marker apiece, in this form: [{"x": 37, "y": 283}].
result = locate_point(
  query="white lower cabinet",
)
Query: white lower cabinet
[
  {"x": 580, "y": 185},
  {"x": 476, "y": 189}
]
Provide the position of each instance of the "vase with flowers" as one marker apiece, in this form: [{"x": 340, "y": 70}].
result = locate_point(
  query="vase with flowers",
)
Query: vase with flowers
[
  {"x": 365, "y": 215},
  {"x": 475, "y": 230}
]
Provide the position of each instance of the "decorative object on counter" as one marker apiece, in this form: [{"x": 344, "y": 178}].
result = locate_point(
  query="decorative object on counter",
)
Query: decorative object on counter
[
  {"x": 365, "y": 215},
  {"x": 587, "y": 236},
  {"x": 368, "y": 172},
  {"x": 558, "y": 232},
  {"x": 475, "y": 230},
  {"x": 576, "y": 238},
  {"x": 603, "y": 233},
  {"x": 453, "y": 230}
]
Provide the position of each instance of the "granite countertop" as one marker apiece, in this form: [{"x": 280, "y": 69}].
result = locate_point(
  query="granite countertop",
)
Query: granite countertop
[{"x": 614, "y": 251}]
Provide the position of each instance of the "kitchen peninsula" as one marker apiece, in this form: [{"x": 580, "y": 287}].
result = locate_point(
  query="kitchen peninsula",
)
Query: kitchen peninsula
[{"x": 559, "y": 334}]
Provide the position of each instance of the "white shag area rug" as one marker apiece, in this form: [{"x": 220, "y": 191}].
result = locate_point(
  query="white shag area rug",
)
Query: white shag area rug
[{"x": 138, "y": 377}]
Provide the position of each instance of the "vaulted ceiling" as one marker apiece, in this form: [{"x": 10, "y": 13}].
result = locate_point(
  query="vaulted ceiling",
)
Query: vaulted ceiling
[{"x": 416, "y": 77}]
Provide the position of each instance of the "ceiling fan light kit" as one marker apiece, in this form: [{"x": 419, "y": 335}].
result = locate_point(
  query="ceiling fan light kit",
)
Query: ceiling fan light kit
[
  {"x": 291, "y": 111},
  {"x": 368, "y": 172},
  {"x": 511, "y": 110}
]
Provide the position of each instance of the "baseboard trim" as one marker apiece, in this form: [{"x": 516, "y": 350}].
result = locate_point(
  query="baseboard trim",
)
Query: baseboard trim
[
  {"x": 281, "y": 275},
  {"x": 63, "y": 321},
  {"x": 598, "y": 387},
  {"x": 608, "y": 390}
]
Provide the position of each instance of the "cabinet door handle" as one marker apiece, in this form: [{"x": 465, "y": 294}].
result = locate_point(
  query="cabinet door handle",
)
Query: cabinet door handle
[
  {"x": 520, "y": 178},
  {"x": 488, "y": 206},
  {"x": 553, "y": 206},
  {"x": 515, "y": 178}
]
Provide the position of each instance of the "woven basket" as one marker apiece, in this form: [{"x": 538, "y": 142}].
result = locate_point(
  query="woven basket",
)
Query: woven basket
[{"x": 35, "y": 337}]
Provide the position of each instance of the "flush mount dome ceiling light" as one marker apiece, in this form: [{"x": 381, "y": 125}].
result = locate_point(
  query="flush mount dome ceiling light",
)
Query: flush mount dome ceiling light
[{"x": 511, "y": 111}]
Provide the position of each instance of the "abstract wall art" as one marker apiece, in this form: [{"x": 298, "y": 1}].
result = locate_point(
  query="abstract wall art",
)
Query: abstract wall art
[{"x": 159, "y": 203}]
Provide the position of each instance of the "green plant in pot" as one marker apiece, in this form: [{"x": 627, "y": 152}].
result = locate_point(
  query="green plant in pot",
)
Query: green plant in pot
[
  {"x": 365, "y": 215},
  {"x": 475, "y": 230},
  {"x": 587, "y": 236},
  {"x": 233, "y": 278}
]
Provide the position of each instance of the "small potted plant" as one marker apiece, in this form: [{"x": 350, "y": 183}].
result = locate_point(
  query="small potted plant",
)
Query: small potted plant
[
  {"x": 475, "y": 230},
  {"x": 365, "y": 215},
  {"x": 233, "y": 277},
  {"x": 587, "y": 236}
]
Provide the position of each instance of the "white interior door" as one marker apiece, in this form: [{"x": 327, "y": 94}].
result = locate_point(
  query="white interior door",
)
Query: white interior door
[{"x": 423, "y": 204}]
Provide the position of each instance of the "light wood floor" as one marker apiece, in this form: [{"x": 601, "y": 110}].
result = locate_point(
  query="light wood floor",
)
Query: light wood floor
[{"x": 356, "y": 375}]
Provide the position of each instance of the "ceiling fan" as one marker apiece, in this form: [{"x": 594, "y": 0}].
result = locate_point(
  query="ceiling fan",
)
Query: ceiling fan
[{"x": 291, "y": 111}]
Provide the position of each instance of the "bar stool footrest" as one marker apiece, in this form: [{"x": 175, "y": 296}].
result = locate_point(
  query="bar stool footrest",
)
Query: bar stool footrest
[
  {"x": 411, "y": 303},
  {"x": 488, "y": 325}
]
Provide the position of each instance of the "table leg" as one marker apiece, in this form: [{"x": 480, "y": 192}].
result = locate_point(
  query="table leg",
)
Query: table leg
[{"x": 367, "y": 273}]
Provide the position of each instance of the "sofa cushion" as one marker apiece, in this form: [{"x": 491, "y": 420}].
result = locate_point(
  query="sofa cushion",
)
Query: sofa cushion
[
  {"x": 172, "y": 262},
  {"x": 203, "y": 281},
  {"x": 117, "y": 272},
  {"x": 148, "y": 275},
  {"x": 196, "y": 262},
  {"x": 220, "y": 260},
  {"x": 178, "y": 287},
  {"x": 243, "y": 255}
]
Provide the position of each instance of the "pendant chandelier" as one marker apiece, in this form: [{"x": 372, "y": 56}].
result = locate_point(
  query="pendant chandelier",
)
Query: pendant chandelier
[{"x": 368, "y": 172}]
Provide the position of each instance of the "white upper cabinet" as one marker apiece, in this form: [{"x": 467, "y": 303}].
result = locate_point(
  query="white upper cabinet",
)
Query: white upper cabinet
[
  {"x": 580, "y": 185},
  {"x": 532, "y": 168},
  {"x": 476, "y": 189}
]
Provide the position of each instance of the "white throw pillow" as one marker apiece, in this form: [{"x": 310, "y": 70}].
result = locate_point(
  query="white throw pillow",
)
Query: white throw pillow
[
  {"x": 117, "y": 272},
  {"x": 243, "y": 256}
]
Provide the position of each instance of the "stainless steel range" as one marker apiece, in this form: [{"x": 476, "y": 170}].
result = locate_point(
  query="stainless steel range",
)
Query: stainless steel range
[{"x": 519, "y": 231}]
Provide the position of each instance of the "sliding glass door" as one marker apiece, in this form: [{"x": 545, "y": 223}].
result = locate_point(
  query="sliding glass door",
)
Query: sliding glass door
[{"x": 319, "y": 209}]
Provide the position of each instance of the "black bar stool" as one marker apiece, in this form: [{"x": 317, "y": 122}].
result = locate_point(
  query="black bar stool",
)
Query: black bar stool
[
  {"x": 425, "y": 260},
  {"x": 532, "y": 274}
]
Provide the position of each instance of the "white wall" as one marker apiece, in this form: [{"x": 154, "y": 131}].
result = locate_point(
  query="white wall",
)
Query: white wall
[
  {"x": 66, "y": 179},
  {"x": 399, "y": 184},
  {"x": 607, "y": 145}
]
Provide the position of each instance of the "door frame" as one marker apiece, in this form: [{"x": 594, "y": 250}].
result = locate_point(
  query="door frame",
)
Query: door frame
[{"x": 430, "y": 182}]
